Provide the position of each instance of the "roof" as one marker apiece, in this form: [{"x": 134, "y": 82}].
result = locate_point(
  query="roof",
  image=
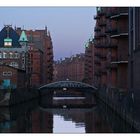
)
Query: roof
[
  {"x": 23, "y": 37},
  {"x": 11, "y": 35}
]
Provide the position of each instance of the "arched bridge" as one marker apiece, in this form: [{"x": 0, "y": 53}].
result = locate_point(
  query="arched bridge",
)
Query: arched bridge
[
  {"x": 68, "y": 85},
  {"x": 79, "y": 89}
]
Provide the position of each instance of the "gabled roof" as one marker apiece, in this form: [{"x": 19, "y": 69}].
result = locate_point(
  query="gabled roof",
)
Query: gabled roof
[
  {"x": 23, "y": 37},
  {"x": 12, "y": 35}
]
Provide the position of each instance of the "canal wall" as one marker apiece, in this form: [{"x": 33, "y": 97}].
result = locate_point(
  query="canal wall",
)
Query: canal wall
[
  {"x": 16, "y": 111},
  {"x": 16, "y": 96},
  {"x": 123, "y": 104}
]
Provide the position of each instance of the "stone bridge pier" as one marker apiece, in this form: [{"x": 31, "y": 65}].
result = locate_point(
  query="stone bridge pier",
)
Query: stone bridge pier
[{"x": 46, "y": 98}]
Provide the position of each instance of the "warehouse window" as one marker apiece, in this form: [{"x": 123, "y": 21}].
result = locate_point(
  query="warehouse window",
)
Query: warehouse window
[
  {"x": 4, "y": 54},
  {"x": 11, "y": 55},
  {"x": 7, "y": 73},
  {"x": 16, "y": 55}
]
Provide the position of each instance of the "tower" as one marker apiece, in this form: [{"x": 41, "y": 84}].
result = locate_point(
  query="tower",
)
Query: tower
[{"x": 23, "y": 39}]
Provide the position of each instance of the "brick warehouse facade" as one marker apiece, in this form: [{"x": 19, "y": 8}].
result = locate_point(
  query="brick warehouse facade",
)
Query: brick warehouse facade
[
  {"x": 41, "y": 53},
  {"x": 111, "y": 43},
  {"x": 89, "y": 62},
  {"x": 31, "y": 51},
  {"x": 12, "y": 76},
  {"x": 134, "y": 55},
  {"x": 13, "y": 50},
  {"x": 35, "y": 67},
  {"x": 13, "y": 57},
  {"x": 70, "y": 68}
]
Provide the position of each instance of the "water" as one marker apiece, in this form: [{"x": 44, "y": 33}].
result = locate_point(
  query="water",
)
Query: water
[
  {"x": 32, "y": 118},
  {"x": 67, "y": 126},
  {"x": 67, "y": 98}
]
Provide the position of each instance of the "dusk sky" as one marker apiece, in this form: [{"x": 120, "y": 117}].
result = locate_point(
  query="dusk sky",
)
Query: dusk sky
[{"x": 70, "y": 27}]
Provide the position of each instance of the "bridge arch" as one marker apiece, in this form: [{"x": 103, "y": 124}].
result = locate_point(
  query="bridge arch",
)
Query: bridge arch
[
  {"x": 78, "y": 89},
  {"x": 67, "y": 84}
]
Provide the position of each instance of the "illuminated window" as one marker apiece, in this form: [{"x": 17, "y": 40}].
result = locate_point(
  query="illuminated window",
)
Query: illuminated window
[{"x": 7, "y": 43}]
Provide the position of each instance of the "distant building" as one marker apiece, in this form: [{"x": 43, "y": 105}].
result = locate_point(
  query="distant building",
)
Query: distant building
[{"x": 71, "y": 68}]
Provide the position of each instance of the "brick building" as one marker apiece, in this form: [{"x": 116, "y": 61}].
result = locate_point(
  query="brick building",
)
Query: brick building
[
  {"x": 35, "y": 67},
  {"x": 89, "y": 62},
  {"x": 111, "y": 43},
  {"x": 28, "y": 50},
  {"x": 13, "y": 49},
  {"x": 12, "y": 77},
  {"x": 40, "y": 67},
  {"x": 70, "y": 68},
  {"x": 134, "y": 56},
  {"x": 13, "y": 53}
]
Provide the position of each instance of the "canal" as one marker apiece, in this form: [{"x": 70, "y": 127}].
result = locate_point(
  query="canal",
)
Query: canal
[{"x": 31, "y": 117}]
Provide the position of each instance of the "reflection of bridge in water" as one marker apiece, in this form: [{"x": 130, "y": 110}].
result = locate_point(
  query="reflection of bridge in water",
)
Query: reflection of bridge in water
[{"x": 67, "y": 89}]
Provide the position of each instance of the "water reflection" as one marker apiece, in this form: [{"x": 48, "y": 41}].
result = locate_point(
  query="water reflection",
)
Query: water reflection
[
  {"x": 31, "y": 117},
  {"x": 67, "y": 126}
]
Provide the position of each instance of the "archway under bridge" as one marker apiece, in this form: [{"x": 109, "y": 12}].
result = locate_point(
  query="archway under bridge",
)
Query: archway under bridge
[{"x": 48, "y": 91}]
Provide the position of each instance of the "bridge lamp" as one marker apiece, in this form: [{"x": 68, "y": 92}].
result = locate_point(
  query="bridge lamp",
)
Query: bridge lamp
[
  {"x": 64, "y": 89},
  {"x": 64, "y": 106}
]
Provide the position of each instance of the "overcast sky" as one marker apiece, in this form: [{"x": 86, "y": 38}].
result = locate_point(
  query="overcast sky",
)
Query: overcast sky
[{"x": 70, "y": 27}]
